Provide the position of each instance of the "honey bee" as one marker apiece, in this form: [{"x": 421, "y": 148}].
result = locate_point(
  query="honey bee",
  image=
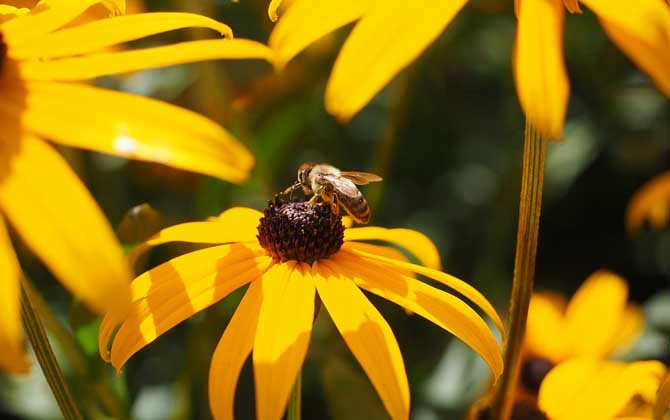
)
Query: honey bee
[{"x": 336, "y": 188}]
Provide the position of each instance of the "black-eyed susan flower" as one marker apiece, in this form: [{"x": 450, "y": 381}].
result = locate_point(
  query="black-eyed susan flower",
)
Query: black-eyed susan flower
[
  {"x": 650, "y": 204},
  {"x": 42, "y": 51},
  {"x": 289, "y": 255},
  {"x": 592, "y": 389},
  {"x": 373, "y": 53}
]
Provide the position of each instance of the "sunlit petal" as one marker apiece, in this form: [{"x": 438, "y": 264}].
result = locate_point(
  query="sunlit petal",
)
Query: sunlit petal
[
  {"x": 307, "y": 20},
  {"x": 231, "y": 353},
  {"x": 282, "y": 336},
  {"x": 129, "y": 126},
  {"x": 50, "y": 15},
  {"x": 235, "y": 225},
  {"x": 439, "y": 307},
  {"x": 376, "y": 51},
  {"x": 545, "y": 333},
  {"x": 176, "y": 290},
  {"x": 651, "y": 203},
  {"x": 10, "y": 12},
  {"x": 539, "y": 69},
  {"x": 272, "y": 9},
  {"x": 367, "y": 335},
  {"x": 104, "y": 33},
  {"x": 415, "y": 242},
  {"x": 61, "y": 223},
  {"x": 384, "y": 251},
  {"x": 642, "y": 30},
  {"x": 108, "y": 63},
  {"x": 454, "y": 283},
  {"x": 594, "y": 316},
  {"x": 12, "y": 358},
  {"x": 589, "y": 389}
]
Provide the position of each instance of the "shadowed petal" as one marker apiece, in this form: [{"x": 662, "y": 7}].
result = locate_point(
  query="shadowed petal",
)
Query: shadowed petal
[
  {"x": 282, "y": 336},
  {"x": 594, "y": 315},
  {"x": 539, "y": 69},
  {"x": 375, "y": 51},
  {"x": 108, "y": 63},
  {"x": 104, "y": 33},
  {"x": 129, "y": 126},
  {"x": 234, "y": 225},
  {"x": 415, "y": 242},
  {"x": 454, "y": 283},
  {"x": 305, "y": 21},
  {"x": 630, "y": 330},
  {"x": 175, "y": 291},
  {"x": 589, "y": 389},
  {"x": 232, "y": 351},
  {"x": 662, "y": 402},
  {"x": 367, "y": 335},
  {"x": 61, "y": 223},
  {"x": 437, "y": 306},
  {"x": 12, "y": 357},
  {"x": 651, "y": 202},
  {"x": 642, "y": 30},
  {"x": 50, "y": 15}
]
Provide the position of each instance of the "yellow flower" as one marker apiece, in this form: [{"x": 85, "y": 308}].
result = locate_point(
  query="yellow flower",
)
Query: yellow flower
[
  {"x": 592, "y": 389},
  {"x": 390, "y": 34},
  {"x": 289, "y": 255},
  {"x": 641, "y": 29},
  {"x": 651, "y": 203},
  {"x": 597, "y": 322},
  {"x": 41, "y": 52}
]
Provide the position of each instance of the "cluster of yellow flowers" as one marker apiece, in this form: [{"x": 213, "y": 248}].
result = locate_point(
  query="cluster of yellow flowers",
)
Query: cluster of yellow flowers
[{"x": 47, "y": 51}]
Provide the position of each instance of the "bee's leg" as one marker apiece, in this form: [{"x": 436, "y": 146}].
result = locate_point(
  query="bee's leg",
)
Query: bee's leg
[
  {"x": 334, "y": 205},
  {"x": 290, "y": 189}
]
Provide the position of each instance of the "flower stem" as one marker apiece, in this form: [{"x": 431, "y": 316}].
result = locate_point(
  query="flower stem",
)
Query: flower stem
[
  {"x": 534, "y": 152},
  {"x": 294, "y": 402},
  {"x": 46, "y": 358}
]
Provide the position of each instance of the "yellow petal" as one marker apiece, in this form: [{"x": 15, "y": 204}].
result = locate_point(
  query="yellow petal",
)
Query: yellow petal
[
  {"x": 572, "y": 6},
  {"x": 454, "y": 283},
  {"x": 539, "y": 68},
  {"x": 108, "y": 63},
  {"x": 231, "y": 353},
  {"x": 415, "y": 242},
  {"x": 384, "y": 251},
  {"x": 130, "y": 126},
  {"x": 439, "y": 307},
  {"x": 272, "y": 9},
  {"x": 642, "y": 31},
  {"x": 12, "y": 358},
  {"x": 545, "y": 330},
  {"x": 367, "y": 335},
  {"x": 50, "y": 15},
  {"x": 376, "y": 51},
  {"x": 594, "y": 315},
  {"x": 589, "y": 389},
  {"x": 662, "y": 402},
  {"x": 306, "y": 21},
  {"x": 61, "y": 223},
  {"x": 651, "y": 202},
  {"x": 104, "y": 33},
  {"x": 630, "y": 329},
  {"x": 176, "y": 290},
  {"x": 235, "y": 225},
  {"x": 10, "y": 12},
  {"x": 282, "y": 336}
]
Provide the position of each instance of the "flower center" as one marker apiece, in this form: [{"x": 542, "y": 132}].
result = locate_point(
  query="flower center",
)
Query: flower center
[
  {"x": 533, "y": 371},
  {"x": 300, "y": 231}
]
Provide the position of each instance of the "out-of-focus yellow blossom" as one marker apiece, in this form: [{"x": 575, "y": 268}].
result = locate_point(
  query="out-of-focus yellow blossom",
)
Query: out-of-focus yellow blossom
[
  {"x": 41, "y": 53},
  {"x": 276, "y": 314},
  {"x": 650, "y": 203},
  {"x": 391, "y": 34}
]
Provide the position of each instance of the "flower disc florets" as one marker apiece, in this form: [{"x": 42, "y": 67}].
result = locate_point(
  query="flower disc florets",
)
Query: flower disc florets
[{"x": 300, "y": 231}]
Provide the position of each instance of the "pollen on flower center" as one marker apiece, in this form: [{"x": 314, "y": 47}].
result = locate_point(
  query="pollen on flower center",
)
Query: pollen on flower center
[{"x": 300, "y": 231}]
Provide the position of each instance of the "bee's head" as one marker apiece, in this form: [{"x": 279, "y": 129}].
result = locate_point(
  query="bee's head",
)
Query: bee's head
[{"x": 303, "y": 173}]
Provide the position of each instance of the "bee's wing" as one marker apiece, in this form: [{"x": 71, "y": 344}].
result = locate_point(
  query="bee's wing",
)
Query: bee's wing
[
  {"x": 342, "y": 185},
  {"x": 361, "y": 178}
]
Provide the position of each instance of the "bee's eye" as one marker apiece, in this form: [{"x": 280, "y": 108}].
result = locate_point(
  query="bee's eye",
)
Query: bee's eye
[{"x": 303, "y": 175}]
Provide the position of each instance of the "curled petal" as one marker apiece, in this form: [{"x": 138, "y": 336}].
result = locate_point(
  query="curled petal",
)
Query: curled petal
[
  {"x": 651, "y": 202},
  {"x": 104, "y": 33},
  {"x": 367, "y": 335}
]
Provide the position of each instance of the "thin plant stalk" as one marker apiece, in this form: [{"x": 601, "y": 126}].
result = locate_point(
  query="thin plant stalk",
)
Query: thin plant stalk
[
  {"x": 295, "y": 400},
  {"x": 46, "y": 358},
  {"x": 534, "y": 153}
]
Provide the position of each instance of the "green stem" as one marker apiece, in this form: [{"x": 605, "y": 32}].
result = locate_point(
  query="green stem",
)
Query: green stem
[
  {"x": 534, "y": 152},
  {"x": 294, "y": 402},
  {"x": 46, "y": 358}
]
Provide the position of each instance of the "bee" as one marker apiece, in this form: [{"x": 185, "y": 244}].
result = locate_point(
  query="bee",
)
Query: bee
[{"x": 336, "y": 188}]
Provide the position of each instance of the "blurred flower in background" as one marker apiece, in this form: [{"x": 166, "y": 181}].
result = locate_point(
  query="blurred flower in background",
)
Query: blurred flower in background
[
  {"x": 290, "y": 255},
  {"x": 40, "y": 195},
  {"x": 650, "y": 204}
]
